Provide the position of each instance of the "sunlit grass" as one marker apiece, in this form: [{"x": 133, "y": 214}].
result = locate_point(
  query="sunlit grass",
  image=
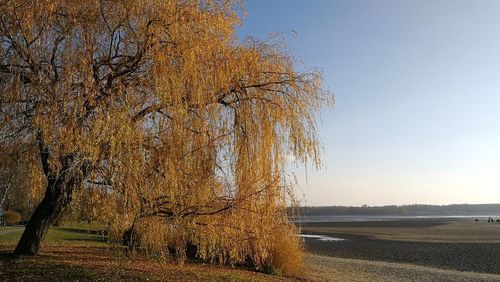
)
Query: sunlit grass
[
  {"x": 10, "y": 234},
  {"x": 56, "y": 235}
]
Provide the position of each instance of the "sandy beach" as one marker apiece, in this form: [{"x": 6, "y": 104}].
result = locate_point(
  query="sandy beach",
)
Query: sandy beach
[{"x": 442, "y": 244}]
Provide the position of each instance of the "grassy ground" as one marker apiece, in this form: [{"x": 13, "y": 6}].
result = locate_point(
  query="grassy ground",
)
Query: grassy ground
[{"x": 71, "y": 255}]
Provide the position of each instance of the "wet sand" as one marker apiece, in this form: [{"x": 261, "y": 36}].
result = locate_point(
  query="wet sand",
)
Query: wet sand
[
  {"x": 454, "y": 245},
  {"x": 322, "y": 268}
]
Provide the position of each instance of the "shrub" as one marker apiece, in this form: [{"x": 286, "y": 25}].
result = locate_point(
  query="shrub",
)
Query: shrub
[
  {"x": 12, "y": 217},
  {"x": 286, "y": 255}
]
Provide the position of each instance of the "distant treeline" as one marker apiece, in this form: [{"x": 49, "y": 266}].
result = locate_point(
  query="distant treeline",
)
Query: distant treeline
[{"x": 483, "y": 209}]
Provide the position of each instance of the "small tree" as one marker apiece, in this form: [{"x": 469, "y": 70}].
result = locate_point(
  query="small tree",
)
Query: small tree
[{"x": 12, "y": 217}]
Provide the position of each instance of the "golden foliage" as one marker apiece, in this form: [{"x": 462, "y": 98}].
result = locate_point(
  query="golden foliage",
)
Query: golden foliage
[
  {"x": 20, "y": 179},
  {"x": 287, "y": 252},
  {"x": 12, "y": 217},
  {"x": 179, "y": 129}
]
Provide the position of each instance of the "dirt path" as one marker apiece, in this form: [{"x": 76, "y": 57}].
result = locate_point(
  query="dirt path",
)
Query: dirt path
[{"x": 5, "y": 232}]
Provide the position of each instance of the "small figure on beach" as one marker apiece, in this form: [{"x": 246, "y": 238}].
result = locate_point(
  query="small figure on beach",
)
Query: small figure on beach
[
  {"x": 490, "y": 219},
  {"x": 498, "y": 220},
  {"x": 476, "y": 220}
]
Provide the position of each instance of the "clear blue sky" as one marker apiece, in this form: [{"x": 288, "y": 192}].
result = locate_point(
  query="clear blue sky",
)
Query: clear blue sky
[{"x": 417, "y": 88}]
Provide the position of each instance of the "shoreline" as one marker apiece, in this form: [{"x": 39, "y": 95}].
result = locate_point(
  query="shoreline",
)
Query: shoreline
[
  {"x": 387, "y": 218},
  {"x": 412, "y": 242}
]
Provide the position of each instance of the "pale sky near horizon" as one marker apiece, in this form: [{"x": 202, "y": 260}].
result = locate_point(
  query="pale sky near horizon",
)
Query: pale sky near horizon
[{"x": 417, "y": 89}]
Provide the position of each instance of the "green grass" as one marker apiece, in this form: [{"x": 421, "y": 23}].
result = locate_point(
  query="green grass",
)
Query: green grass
[
  {"x": 57, "y": 235},
  {"x": 66, "y": 235},
  {"x": 45, "y": 267},
  {"x": 8, "y": 228},
  {"x": 13, "y": 235},
  {"x": 95, "y": 226}
]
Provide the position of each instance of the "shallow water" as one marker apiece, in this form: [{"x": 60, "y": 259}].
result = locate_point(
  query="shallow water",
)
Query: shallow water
[{"x": 321, "y": 237}]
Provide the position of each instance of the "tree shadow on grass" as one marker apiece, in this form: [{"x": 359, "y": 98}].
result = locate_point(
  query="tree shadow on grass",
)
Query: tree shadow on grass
[
  {"x": 97, "y": 263},
  {"x": 89, "y": 239},
  {"x": 46, "y": 271},
  {"x": 40, "y": 268},
  {"x": 83, "y": 231},
  {"x": 49, "y": 267},
  {"x": 59, "y": 235}
]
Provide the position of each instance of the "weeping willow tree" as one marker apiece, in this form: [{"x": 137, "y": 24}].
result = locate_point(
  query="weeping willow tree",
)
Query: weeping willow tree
[{"x": 183, "y": 129}]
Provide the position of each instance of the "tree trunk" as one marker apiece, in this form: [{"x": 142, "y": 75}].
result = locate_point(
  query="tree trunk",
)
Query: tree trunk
[
  {"x": 4, "y": 196},
  {"x": 57, "y": 197}
]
